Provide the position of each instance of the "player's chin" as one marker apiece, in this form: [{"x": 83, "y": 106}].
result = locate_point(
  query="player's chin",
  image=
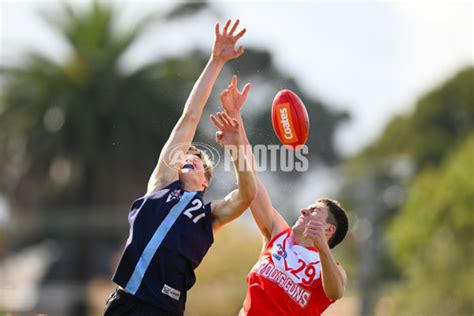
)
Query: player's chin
[
  {"x": 187, "y": 175},
  {"x": 191, "y": 176},
  {"x": 299, "y": 225}
]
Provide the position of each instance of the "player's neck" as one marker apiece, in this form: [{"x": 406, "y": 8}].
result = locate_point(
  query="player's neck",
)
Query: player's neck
[{"x": 192, "y": 187}]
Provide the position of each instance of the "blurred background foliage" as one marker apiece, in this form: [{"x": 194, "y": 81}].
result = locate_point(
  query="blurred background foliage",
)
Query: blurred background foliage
[
  {"x": 435, "y": 257},
  {"x": 81, "y": 136},
  {"x": 416, "y": 201}
]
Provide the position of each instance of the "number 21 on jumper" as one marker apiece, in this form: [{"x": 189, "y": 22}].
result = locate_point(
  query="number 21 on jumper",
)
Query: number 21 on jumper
[{"x": 197, "y": 204}]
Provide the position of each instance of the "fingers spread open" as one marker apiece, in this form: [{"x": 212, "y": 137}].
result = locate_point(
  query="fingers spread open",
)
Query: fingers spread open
[
  {"x": 240, "y": 34},
  {"x": 226, "y": 26},
  {"x": 234, "y": 27},
  {"x": 224, "y": 118},
  {"x": 216, "y": 122}
]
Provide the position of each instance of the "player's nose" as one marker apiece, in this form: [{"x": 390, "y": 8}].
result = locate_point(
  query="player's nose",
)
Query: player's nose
[{"x": 304, "y": 211}]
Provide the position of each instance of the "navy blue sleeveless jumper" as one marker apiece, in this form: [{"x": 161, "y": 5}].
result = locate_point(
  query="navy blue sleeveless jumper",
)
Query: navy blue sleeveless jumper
[{"x": 170, "y": 232}]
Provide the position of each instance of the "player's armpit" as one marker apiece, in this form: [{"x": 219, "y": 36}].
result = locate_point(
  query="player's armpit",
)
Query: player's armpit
[{"x": 279, "y": 224}]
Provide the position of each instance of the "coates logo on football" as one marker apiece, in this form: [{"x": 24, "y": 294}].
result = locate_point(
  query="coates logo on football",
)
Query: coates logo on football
[
  {"x": 290, "y": 119},
  {"x": 286, "y": 123},
  {"x": 176, "y": 155}
]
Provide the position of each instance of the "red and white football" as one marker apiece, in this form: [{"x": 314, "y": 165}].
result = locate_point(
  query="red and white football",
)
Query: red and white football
[{"x": 290, "y": 119}]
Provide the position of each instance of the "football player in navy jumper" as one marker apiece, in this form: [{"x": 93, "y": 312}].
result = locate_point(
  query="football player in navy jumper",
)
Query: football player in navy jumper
[{"x": 171, "y": 227}]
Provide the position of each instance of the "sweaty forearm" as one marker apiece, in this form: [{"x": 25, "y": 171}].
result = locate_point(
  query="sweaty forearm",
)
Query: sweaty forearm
[
  {"x": 238, "y": 116},
  {"x": 261, "y": 206},
  {"x": 242, "y": 160},
  {"x": 333, "y": 278}
]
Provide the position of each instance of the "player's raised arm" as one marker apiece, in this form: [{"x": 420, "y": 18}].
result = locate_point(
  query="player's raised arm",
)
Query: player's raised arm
[
  {"x": 267, "y": 218},
  {"x": 224, "y": 49},
  {"x": 229, "y": 136}
]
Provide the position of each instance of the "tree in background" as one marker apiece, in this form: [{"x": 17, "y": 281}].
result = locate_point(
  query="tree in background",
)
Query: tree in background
[
  {"x": 432, "y": 238},
  {"x": 85, "y": 132},
  {"x": 442, "y": 119},
  {"x": 68, "y": 131},
  {"x": 71, "y": 126},
  {"x": 67, "y": 126}
]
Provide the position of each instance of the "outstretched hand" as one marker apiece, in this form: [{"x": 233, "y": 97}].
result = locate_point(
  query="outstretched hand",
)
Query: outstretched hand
[
  {"x": 232, "y": 99},
  {"x": 224, "y": 46},
  {"x": 228, "y": 130}
]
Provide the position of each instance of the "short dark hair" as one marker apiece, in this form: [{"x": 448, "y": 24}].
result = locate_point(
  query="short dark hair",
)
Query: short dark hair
[
  {"x": 206, "y": 161},
  {"x": 337, "y": 216}
]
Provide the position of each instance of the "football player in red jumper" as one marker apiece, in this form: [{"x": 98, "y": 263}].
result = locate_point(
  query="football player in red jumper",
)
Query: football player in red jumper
[{"x": 296, "y": 273}]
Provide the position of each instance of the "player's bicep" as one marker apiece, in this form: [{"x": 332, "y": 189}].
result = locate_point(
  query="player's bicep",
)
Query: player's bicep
[{"x": 226, "y": 210}]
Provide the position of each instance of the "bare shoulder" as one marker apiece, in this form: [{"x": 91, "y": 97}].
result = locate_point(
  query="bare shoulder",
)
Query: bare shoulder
[{"x": 160, "y": 184}]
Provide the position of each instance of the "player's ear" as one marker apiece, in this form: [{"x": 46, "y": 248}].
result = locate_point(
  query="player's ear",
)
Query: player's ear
[
  {"x": 330, "y": 229},
  {"x": 205, "y": 183}
]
